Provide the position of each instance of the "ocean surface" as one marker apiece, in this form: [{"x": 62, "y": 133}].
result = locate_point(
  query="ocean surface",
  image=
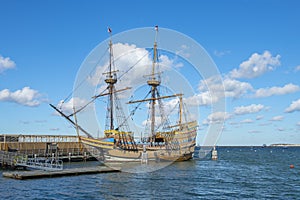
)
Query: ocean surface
[{"x": 239, "y": 173}]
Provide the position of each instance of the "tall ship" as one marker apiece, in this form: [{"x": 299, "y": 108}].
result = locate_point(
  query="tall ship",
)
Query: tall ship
[{"x": 161, "y": 141}]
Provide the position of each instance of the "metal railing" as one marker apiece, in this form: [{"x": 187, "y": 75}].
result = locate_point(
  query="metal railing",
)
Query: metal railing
[{"x": 39, "y": 163}]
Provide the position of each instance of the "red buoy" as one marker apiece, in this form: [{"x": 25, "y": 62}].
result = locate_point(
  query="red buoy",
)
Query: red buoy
[{"x": 292, "y": 166}]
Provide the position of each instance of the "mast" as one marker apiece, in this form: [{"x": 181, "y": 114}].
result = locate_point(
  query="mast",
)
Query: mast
[
  {"x": 111, "y": 79},
  {"x": 180, "y": 111},
  {"x": 77, "y": 129},
  {"x": 154, "y": 83},
  {"x": 70, "y": 120}
]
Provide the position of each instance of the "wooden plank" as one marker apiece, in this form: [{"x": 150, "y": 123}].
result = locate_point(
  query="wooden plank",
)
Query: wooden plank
[{"x": 66, "y": 172}]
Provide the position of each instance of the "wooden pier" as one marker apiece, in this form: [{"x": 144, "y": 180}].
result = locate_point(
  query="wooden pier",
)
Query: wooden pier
[
  {"x": 66, "y": 148},
  {"x": 34, "y": 174}
]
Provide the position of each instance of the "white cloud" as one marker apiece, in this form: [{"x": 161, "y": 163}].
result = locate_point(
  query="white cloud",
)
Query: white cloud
[
  {"x": 253, "y": 108},
  {"x": 169, "y": 106},
  {"x": 215, "y": 88},
  {"x": 170, "y": 113},
  {"x": 256, "y": 65},
  {"x": 277, "y": 118},
  {"x": 26, "y": 96},
  {"x": 295, "y": 106},
  {"x": 259, "y": 117},
  {"x": 247, "y": 121},
  {"x": 265, "y": 124},
  {"x": 126, "y": 56},
  {"x": 158, "y": 121},
  {"x": 297, "y": 68},
  {"x": 287, "y": 89},
  {"x": 166, "y": 63},
  {"x": 217, "y": 117},
  {"x": 67, "y": 107},
  {"x": 202, "y": 99},
  {"x": 221, "y": 53},
  {"x": 6, "y": 63},
  {"x": 183, "y": 51},
  {"x": 235, "y": 88}
]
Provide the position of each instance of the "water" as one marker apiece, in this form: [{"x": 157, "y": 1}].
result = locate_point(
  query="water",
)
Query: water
[{"x": 240, "y": 173}]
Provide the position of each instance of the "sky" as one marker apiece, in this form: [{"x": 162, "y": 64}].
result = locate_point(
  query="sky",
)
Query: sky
[{"x": 255, "y": 45}]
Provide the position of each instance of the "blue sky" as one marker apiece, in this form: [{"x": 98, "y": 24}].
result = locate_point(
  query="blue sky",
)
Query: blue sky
[{"x": 255, "y": 45}]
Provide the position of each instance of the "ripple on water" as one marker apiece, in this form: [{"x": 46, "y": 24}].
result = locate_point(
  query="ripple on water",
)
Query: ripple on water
[{"x": 239, "y": 173}]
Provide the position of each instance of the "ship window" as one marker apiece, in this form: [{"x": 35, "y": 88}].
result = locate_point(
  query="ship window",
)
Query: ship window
[{"x": 159, "y": 140}]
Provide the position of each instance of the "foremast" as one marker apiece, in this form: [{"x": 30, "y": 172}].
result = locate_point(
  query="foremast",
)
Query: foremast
[
  {"x": 154, "y": 82},
  {"x": 111, "y": 80},
  {"x": 122, "y": 138}
]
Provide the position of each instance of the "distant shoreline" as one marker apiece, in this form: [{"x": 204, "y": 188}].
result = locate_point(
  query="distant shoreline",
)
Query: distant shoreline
[
  {"x": 285, "y": 145},
  {"x": 256, "y": 146}
]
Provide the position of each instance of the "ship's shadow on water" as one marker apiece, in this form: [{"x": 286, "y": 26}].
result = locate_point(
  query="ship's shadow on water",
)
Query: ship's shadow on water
[{"x": 239, "y": 173}]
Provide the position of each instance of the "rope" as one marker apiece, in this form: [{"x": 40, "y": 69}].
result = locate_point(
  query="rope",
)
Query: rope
[
  {"x": 133, "y": 111},
  {"x": 135, "y": 64},
  {"x": 83, "y": 107},
  {"x": 71, "y": 93},
  {"x": 92, "y": 70}
]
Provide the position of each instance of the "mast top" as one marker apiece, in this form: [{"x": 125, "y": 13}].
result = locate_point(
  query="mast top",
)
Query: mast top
[
  {"x": 109, "y": 31},
  {"x": 156, "y": 32},
  {"x": 110, "y": 36},
  {"x": 111, "y": 74},
  {"x": 153, "y": 82}
]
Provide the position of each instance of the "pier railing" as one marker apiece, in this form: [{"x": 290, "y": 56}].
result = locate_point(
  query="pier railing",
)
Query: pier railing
[
  {"x": 7, "y": 158},
  {"x": 40, "y": 163},
  {"x": 48, "y": 147},
  {"x": 37, "y": 138}
]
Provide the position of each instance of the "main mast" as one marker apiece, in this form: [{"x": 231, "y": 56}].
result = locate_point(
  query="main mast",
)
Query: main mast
[
  {"x": 111, "y": 79},
  {"x": 154, "y": 83}
]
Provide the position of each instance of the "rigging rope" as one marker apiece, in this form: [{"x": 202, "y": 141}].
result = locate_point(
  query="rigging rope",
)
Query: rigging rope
[
  {"x": 92, "y": 70},
  {"x": 83, "y": 107},
  {"x": 71, "y": 93},
  {"x": 148, "y": 52},
  {"x": 90, "y": 73},
  {"x": 133, "y": 111},
  {"x": 165, "y": 122}
]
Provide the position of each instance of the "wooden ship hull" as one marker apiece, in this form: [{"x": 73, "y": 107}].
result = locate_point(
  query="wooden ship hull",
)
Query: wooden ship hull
[{"x": 178, "y": 145}]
